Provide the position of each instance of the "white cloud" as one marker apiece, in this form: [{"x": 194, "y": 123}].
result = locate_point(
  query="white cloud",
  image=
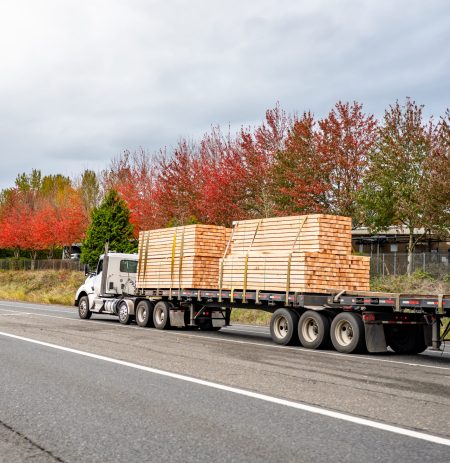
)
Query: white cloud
[{"x": 82, "y": 80}]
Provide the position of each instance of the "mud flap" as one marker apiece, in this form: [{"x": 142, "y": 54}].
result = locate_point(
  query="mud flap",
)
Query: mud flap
[
  {"x": 427, "y": 334},
  {"x": 375, "y": 339},
  {"x": 177, "y": 318}
]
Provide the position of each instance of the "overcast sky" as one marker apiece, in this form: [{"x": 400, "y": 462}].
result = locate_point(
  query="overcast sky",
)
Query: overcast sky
[{"x": 82, "y": 80}]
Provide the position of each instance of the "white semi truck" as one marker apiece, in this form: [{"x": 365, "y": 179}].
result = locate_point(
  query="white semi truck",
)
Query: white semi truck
[{"x": 348, "y": 321}]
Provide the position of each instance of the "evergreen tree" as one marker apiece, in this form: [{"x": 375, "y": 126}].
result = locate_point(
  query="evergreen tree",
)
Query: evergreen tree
[{"x": 110, "y": 222}]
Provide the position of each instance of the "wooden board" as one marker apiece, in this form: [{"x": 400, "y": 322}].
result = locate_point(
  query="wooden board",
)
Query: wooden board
[
  {"x": 317, "y": 246},
  {"x": 307, "y": 271},
  {"x": 181, "y": 257},
  {"x": 315, "y": 232}
]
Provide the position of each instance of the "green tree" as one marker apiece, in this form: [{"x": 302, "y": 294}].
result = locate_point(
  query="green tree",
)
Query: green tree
[
  {"x": 400, "y": 179},
  {"x": 89, "y": 189},
  {"x": 110, "y": 223}
]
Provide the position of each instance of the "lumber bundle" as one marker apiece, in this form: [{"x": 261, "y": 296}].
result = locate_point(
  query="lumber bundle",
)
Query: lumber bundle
[
  {"x": 181, "y": 257},
  {"x": 302, "y": 253},
  {"x": 314, "y": 232}
]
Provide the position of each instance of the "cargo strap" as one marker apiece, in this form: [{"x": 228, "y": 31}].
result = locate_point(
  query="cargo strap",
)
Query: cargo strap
[
  {"x": 289, "y": 262},
  {"x": 222, "y": 261},
  {"x": 180, "y": 267},
  {"x": 397, "y": 302},
  {"x": 172, "y": 263},
  {"x": 244, "y": 288},
  {"x": 440, "y": 306},
  {"x": 143, "y": 255}
]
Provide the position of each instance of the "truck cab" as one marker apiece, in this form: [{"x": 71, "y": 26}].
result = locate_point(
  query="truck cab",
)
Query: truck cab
[{"x": 114, "y": 278}]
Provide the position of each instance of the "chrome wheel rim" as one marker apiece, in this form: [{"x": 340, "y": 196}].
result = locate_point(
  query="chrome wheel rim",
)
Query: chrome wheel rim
[
  {"x": 281, "y": 327},
  {"x": 310, "y": 329},
  {"x": 159, "y": 316},
  {"x": 123, "y": 311},
  {"x": 344, "y": 332},
  {"x": 142, "y": 314},
  {"x": 83, "y": 308}
]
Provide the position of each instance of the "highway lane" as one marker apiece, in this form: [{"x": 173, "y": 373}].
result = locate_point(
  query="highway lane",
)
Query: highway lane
[{"x": 411, "y": 392}]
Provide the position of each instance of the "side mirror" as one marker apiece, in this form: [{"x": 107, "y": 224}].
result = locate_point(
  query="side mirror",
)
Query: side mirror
[{"x": 87, "y": 269}]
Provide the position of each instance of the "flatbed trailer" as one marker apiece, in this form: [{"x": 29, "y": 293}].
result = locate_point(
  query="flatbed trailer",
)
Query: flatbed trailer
[
  {"x": 407, "y": 323},
  {"x": 348, "y": 321}
]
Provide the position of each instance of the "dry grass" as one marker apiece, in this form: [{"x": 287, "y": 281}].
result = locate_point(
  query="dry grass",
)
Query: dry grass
[
  {"x": 251, "y": 317},
  {"x": 417, "y": 283},
  {"x": 44, "y": 286}
]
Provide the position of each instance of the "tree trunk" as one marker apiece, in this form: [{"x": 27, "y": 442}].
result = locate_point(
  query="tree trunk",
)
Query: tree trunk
[{"x": 411, "y": 245}]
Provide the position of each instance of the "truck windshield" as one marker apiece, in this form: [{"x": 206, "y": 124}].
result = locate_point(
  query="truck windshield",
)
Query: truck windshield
[
  {"x": 100, "y": 266},
  {"x": 128, "y": 266}
]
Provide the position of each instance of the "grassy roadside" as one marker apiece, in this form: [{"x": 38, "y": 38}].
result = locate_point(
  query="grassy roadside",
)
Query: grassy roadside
[
  {"x": 59, "y": 287},
  {"x": 44, "y": 286}
]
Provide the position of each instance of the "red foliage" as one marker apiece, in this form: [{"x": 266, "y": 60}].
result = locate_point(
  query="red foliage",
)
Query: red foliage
[
  {"x": 300, "y": 175},
  {"x": 222, "y": 174},
  {"x": 33, "y": 221},
  {"x": 236, "y": 174},
  {"x": 345, "y": 138},
  {"x": 178, "y": 187}
]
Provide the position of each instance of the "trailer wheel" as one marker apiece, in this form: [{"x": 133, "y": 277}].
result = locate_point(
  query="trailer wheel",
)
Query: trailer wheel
[
  {"x": 283, "y": 327},
  {"x": 405, "y": 339},
  {"x": 314, "y": 330},
  {"x": 144, "y": 313},
  {"x": 347, "y": 333},
  {"x": 124, "y": 313},
  {"x": 161, "y": 315},
  {"x": 83, "y": 308}
]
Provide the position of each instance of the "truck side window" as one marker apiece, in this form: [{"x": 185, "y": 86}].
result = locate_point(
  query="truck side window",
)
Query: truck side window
[
  {"x": 100, "y": 266},
  {"x": 128, "y": 266}
]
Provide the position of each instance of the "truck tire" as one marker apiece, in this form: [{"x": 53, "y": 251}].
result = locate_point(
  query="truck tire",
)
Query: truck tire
[
  {"x": 405, "y": 339},
  {"x": 347, "y": 333},
  {"x": 283, "y": 327},
  {"x": 314, "y": 330},
  {"x": 144, "y": 313},
  {"x": 83, "y": 308},
  {"x": 124, "y": 313},
  {"x": 161, "y": 315}
]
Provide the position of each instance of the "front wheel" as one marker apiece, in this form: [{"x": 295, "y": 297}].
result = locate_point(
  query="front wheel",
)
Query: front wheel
[
  {"x": 124, "y": 313},
  {"x": 314, "y": 330},
  {"x": 283, "y": 327},
  {"x": 83, "y": 308},
  {"x": 347, "y": 333}
]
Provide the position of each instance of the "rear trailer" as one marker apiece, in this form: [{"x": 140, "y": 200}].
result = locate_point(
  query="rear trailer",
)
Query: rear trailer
[{"x": 350, "y": 322}]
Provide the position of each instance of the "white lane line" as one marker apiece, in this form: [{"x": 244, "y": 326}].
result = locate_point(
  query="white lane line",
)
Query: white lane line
[
  {"x": 252, "y": 343},
  {"x": 236, "y": 330},
  {"x": 243, "y": 392},
  {"x": 15, "y": 314},
  {"x": 35, "y": 307},
  {"x": 264, "y": 329}
]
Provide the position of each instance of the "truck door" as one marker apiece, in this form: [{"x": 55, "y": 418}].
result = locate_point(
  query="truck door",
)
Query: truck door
[
  {"x": 127, "y": 275},
  {"x": 98, "y": 277}
]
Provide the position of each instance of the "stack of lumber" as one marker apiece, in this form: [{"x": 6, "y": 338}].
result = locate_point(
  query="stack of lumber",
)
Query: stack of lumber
[
  {"x": 300, "y": 253},
  {"x": 181, "y": 257}
]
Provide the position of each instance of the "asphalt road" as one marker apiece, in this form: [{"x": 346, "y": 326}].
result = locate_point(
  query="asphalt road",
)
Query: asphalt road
[{"x": 77, "y": 391}]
